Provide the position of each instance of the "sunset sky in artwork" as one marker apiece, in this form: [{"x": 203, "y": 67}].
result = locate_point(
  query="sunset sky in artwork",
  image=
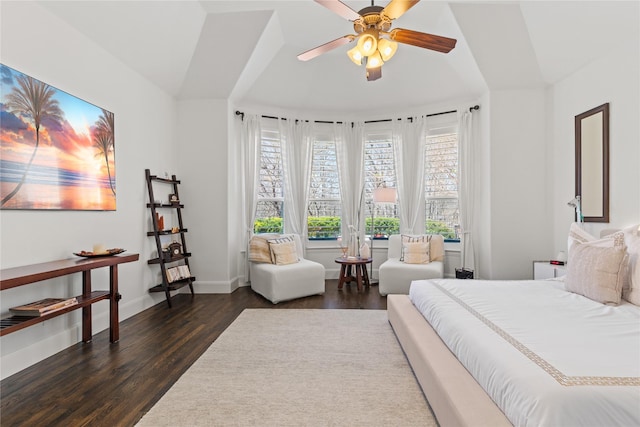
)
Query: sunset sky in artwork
[{"x": 67, "y": 145}]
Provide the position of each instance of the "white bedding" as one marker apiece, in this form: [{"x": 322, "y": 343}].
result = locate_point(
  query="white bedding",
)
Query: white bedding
[{"x": 546, "y": 356}]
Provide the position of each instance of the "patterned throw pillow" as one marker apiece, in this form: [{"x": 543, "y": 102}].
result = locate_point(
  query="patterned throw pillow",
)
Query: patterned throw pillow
[
  {"x": 259, "y": 250},
  {"x": 596, "y": 271},
  {"x": 405, "y": 238},
  {"x": 415, "y": 253},
  {"x": 283, "y": 250}
]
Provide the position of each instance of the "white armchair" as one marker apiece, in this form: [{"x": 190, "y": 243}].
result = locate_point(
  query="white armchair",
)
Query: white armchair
[
  {"x": 285, "y": 282},
  {"x": 396, "y": 276}
]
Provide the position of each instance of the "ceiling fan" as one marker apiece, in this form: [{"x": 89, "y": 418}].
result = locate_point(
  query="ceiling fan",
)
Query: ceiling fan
[{"x": 376, "y": 44}]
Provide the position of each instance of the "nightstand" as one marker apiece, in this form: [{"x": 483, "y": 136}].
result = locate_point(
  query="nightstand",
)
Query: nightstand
[{"x": 543, "y": 270}]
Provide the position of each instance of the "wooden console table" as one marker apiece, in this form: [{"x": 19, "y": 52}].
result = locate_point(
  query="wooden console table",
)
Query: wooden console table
[{"x": 20, "y": 276}]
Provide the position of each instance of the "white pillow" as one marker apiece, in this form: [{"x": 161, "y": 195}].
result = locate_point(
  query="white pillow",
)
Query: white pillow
[
  {"x": 631, "y": 289},
  {"x": 259, "y": 250},
  {"x": 283, "y": 250},
  {"x": 415, "y": 252},
  {"x": 405, "y": 238},
  {"x": 598, "y": 269}
]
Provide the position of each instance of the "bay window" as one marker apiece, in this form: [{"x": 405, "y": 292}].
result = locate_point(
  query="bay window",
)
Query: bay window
[{"x": 323, "y": 209}]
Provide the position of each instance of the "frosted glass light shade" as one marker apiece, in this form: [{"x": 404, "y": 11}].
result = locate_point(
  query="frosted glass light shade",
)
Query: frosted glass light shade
[
  {"x": 374, "y": 61},
  {"x": 387, "y": 49},
  {"x": 367, "y": 44},
  {"x": 355, "y": 55}
]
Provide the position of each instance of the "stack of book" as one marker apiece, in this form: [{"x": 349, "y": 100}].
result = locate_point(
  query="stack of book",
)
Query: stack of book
[
  {"x": 179, "y": 272},
  {"x": 43, "y": 307}
]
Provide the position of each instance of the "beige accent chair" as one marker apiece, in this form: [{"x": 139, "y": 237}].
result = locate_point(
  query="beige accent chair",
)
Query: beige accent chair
[
  {"x": 396, "y": 276},
  {"x": 285, "y": 282}
]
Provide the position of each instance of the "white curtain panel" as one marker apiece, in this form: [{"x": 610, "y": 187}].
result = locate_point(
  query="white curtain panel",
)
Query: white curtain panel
[
  {"x": 349, "y": 139},
  {"x": 466, "y": 187},
  {"x": 409, "y": 149},
  {"x": 250, "y": 136},
  {"x": 297, "y": 151}
]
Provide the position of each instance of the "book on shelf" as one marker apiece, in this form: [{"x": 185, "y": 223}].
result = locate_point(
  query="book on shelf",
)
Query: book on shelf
[
  {"x": 179, "y": 272},
  {"x": 42, "y": 307}
]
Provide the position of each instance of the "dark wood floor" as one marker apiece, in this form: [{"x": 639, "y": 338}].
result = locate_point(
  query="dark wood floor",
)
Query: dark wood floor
[{"x": 103, "y": 384}]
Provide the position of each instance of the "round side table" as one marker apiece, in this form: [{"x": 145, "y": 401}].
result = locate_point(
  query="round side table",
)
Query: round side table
[{"x": 351, "y": 265}]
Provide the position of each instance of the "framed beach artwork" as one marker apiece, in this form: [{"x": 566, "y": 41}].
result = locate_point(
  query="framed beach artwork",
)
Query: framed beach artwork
[{"x": 56, "y": 151}]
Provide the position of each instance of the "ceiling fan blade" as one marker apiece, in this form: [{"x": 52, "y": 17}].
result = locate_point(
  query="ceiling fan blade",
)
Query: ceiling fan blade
[
  {"x": 336, "y": 6},
  {"x": 317, "y": 51},
  {"x": 424, "y": 40},
  {"x": 397, "y": 8}
]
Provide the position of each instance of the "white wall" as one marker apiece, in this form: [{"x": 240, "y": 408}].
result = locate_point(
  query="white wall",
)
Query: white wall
[
  {"x": 612, "y": 79},
  {"x": 37, "y": 43},
  {"x": 511, "y": 228},
  {"x": 517, "y": 172},
  {"x": 203, "y": 161}
]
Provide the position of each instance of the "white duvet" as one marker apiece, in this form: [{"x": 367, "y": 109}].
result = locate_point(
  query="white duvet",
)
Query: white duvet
[{"x": 547, "y": 357}]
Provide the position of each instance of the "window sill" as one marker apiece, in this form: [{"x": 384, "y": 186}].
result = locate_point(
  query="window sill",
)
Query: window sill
[{"x": 450, "y": 246}]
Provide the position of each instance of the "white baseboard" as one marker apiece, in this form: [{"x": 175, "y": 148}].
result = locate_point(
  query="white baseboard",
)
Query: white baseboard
[{"x": 213, "y": 287}]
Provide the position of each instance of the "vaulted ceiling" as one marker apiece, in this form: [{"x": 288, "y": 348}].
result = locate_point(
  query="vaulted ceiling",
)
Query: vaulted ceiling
[{"x": 246, "y": 50}]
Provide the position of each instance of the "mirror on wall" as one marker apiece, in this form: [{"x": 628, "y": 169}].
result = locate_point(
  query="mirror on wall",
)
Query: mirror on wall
[{"x": 592, "y": 163}]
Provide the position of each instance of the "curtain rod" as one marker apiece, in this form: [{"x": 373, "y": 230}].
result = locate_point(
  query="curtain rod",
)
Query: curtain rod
[{"x": 475, "y": 107}]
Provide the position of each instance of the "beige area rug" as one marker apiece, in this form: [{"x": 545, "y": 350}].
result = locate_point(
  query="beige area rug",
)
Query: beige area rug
[{"x": 298, "y": 367}]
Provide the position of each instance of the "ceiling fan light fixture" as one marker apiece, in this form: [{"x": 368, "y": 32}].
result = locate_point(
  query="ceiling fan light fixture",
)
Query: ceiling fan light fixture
[
  {"x": 377, "y": 43},
  {"x": 387, "y": 48},
  {"x": 355, "y": 55},
  {"x": 368, "y": 43},
  {"x": 374, "y": 61}
]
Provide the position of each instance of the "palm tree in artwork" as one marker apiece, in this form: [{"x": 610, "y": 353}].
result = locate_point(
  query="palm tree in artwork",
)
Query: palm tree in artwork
[
  {"x": 34, "y": 99},
  {"x": 103, "y": 140}
]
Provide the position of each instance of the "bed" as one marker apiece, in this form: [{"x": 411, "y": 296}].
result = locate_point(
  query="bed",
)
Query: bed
[{"x": 525, "y": 353}]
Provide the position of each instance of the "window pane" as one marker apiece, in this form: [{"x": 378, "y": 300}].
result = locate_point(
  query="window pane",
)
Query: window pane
[
  {"x": 270, "y": 166},
  {"x": 323, "y": 215},
  {"x": 268, "y": 217},
  {"x": 442, "y": 210},
  {"x": 379, "y": 170},
  {"x": 270, "y": 188},
  {"x": 442, "y": 217}
]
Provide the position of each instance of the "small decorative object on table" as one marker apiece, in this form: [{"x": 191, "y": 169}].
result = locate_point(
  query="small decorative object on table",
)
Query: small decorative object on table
[
  {"x": 173, "y": 199},
  {"x": 365, "y": 251},
  {"x": 354, "y": 240},
  {"x": 344, "y": 247},
  {"x": 106, "y": 252}
]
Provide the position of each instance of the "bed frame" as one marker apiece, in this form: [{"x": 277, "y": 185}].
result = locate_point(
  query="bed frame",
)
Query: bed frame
[{"x": 454, "y": 395}]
